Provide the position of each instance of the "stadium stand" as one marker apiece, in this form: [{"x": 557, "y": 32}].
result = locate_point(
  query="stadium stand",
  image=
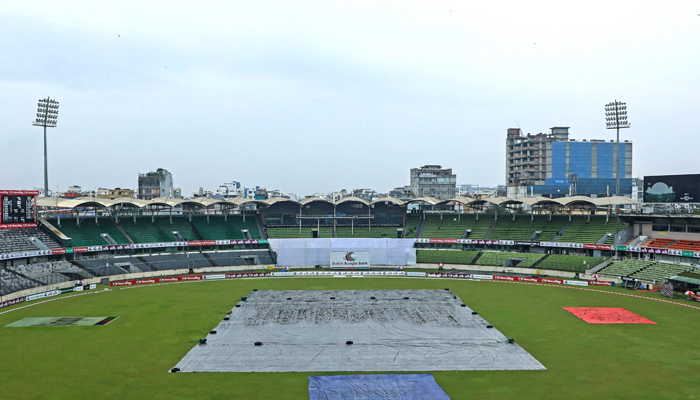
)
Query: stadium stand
[
  {"x": 451, "y": 227},
  {"x": 687, "y": 245},
  {"x": 218, "y": 229},
  {"x": 659, "y": 272},
  {"x": 625, "y": 267},
  {"x": 16, "y": 240},
  {"x": 582, "y": 231},
  {"x": 446, "y": 256},
  {"x": 49, "y": 272},
  {"x": 145, "y": 231},
  {"x": 293, "y": 233},
  {"x": 11, "y": 282},
  {"x": 179, "y": 224},
  {"x": 570, "y": 263},
  {"x": 238, "y": 258},
  {"x": 411, "y": 225},
  {"x": 523, "y": 229},
  {"x": 658, "y": 243},
  {"x": 88, "y": 233},
  {"x": 645, "y": 270},
  {"x": 501, "y": 258},
  {"x": 132, "y": 264},
  {"x": 364, "y": 232}
]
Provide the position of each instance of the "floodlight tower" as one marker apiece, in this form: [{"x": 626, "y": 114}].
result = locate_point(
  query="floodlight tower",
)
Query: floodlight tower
[
  {"x": 46, "y": 116},
  {"x": 616, "y": 118}
]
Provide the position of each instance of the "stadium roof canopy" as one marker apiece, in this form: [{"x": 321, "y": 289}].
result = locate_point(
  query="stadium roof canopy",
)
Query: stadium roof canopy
[
  {"x": 93, "y": 202},
  {"x": 539, "y": 201},
  {"x": 352, "y": 198},
  {"x": 499, "y": 201},
  {"x": 613, "y": 201},
  {"x": 276, "y": 200},
  {"x": 428, "y": 200},
  {"x": 393, "y": 200},
  {"x": 312, "y": 199}
]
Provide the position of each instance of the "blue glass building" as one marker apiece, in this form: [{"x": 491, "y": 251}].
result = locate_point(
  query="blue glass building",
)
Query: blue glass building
[{"x": 554, "y": 165}]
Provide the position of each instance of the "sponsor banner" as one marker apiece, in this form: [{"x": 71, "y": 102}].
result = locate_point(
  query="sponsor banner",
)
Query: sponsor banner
[
  {"x": 415, "y": 273},
  {"x": 77, "y": 289},
  {"x": 621, "y": 248},
  {"x": 528, "y": 279},
  {"x": 576, "y": 283},
  {"x": 132, "y": 247},
  {"x": 350, "y": 259},
  {"x": 12, "y": 302},
  {"x": 247, "y": 275},
  {"x": 473, "y": 241},
  {"x": 475, "y": 276},
  {"x": 547, "y": 280},
  {"x": 505, "y": 278},
  {"x": 26, "y": 254},
  {"x": 14, "y": 226},
  {"x": 202, "y": 243},
  {"x": 600, "y": 283},
  {"x": 159, "y": 280},
  {"x": 598, "y": 247},
  {"x": 43, "y": 295},
  {"x": 443, "y": 240},
  {"x": 562, "y": 244},
  {"x": 283, "y": 273},
  {"x": 92, "y": 286},
  {"x": 222, "y": 276}
]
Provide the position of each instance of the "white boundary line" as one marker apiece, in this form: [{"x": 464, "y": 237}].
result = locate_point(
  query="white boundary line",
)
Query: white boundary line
[
  {"x": 54, "y": 299},
  {"x": 373, "y": 276}
]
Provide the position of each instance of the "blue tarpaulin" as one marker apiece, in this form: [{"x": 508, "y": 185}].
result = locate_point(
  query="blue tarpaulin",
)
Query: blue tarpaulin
[{"x": 376, "y": 387}]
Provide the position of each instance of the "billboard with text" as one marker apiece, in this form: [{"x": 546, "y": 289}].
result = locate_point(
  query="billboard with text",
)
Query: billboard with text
[
  {"x": 672, "y": 189},
  {"x": 350, "y": 259},
  {"x": 18, "y": 209}
]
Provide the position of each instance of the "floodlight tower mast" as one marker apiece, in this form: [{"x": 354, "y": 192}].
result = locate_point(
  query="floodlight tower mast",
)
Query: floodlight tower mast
[
  {"x": 616, "y": 118},
  {"x": 46, "y": 116}
]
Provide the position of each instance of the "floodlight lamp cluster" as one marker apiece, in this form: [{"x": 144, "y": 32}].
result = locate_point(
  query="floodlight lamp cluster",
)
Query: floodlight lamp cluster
[
  {"x": 616, "y": 115},
  {"x": 46, "y": 113}
]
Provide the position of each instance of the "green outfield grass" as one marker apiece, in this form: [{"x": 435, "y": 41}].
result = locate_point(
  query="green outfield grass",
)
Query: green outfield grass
[{"x": 129, "y": 357}]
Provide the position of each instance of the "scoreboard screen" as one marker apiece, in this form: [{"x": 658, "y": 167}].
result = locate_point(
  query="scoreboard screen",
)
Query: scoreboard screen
[{"x": 18, "y": 209}]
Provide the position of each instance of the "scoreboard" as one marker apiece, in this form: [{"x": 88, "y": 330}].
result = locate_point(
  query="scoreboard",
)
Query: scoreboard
[{"x": 18, "y": 209}]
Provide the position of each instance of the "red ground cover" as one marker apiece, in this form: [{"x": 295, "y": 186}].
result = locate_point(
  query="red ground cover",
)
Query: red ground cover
[{"x": 604, "y": 315}]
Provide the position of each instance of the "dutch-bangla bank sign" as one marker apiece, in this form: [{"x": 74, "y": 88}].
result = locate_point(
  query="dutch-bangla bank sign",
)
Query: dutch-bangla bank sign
[{"x": 350, "y": 259}]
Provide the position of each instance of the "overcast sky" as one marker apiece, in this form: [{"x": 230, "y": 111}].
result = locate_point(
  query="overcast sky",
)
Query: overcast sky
[{"x": 320, "y": 96}]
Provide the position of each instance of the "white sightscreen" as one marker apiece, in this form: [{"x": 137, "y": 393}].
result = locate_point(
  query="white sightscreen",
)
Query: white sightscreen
[{"x": 294, "y": 252}]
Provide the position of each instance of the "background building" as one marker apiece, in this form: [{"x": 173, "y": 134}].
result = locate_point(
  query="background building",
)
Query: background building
[
  {"x": 554, "y": 165},
  {"x": 433, "y": 181},
  {"x": 155, "y": 184},
  {"x": 114, "y": 193}
]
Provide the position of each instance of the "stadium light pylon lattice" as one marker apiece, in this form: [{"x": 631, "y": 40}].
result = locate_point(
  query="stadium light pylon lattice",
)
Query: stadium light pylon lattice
[
  {"x": 616, "y": 118},
  {"x": 46, "y": 116}
]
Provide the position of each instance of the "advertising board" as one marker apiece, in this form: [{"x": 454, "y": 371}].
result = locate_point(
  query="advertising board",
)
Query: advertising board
[
  {"x": 672, "y": 189},
  {"x": 350, "y": 259},
  {"x": 18, "y": 209}
]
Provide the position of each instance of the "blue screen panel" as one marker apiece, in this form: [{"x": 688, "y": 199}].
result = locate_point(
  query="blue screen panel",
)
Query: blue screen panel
[
  {"x": 605, "y": 161},
  {"x": 376, "y": 387},
  {"x": 559, "y": 160},
  {"x": 580, "y": 159}
]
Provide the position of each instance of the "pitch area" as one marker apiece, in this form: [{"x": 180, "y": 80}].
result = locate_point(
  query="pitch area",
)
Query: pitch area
[{"x": 158, "y": 325}]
